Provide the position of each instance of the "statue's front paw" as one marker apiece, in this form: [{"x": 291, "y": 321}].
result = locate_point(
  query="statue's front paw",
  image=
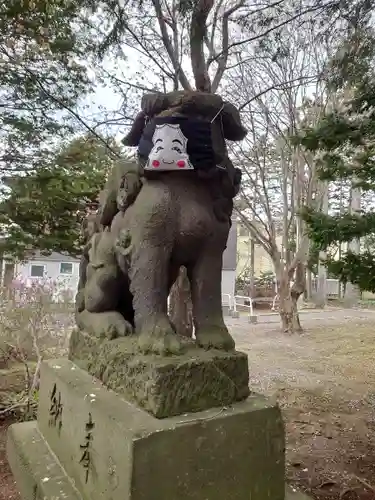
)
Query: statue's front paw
[
  {"x": 158, "y": 337},
  {"x": 215, "y": 337},
  {"x": 117, "y": 326},
  {"x": 109, "y": 324}
]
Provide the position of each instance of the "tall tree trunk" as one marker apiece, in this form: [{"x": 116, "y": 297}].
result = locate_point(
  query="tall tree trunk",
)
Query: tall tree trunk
[
  {"x": 288, "y": 310},
  {"x": 288, "y": 299},
  {"x": 180, "y": 306}
]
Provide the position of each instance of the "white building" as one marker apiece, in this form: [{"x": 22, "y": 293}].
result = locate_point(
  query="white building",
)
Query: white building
[{"x": 61, "y": 271}]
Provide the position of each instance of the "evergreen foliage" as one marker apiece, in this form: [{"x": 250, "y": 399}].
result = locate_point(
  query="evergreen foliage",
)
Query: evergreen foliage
[
  {"x": 45, "y": 46},
  {"x": 344, "y": 145},
  {"x": 43, "y": 209}
]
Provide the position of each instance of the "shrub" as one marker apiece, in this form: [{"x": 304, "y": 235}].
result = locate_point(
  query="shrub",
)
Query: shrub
[{"x": 32, "y": 328}]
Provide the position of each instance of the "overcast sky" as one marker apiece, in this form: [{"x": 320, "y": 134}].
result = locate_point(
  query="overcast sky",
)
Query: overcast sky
[{"x": 105, "y": 100}]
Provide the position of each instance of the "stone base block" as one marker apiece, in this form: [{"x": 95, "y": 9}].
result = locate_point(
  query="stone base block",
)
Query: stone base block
[
  {"x": 253, "y": 319},
  {"x": 111, "y": 449},
  {"x": 39, "y": 475},
  {"x": 164, "y": 386},
  {"x": 235, "y": 314}
]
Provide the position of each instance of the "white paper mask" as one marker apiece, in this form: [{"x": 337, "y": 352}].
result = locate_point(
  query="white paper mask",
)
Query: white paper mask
[{"x": 169, "y": 149}]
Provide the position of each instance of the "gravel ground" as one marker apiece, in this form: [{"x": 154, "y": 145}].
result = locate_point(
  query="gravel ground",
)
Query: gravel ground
[{"x": 324, "y": 380}]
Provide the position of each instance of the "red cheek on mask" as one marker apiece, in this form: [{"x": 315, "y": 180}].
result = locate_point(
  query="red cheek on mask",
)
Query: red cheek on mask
[
  {"x": 155, "y": 163},
  {"x": 181, "y": 163}
]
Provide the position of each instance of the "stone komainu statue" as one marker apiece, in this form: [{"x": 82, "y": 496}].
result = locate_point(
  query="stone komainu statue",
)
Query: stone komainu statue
[{"x": 170, "y": 208}]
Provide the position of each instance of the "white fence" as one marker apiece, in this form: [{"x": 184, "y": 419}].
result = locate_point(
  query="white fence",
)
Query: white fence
[
  {"x": 227, "y": 301},
  {"x": 233, "y": 303},
  {"x": 243, "y": 301}
]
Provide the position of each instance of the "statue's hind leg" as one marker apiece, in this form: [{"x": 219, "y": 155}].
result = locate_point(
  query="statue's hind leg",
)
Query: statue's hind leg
[{"x": 205, "y": 279}]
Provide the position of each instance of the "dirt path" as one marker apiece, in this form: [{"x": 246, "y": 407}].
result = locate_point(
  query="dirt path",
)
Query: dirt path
[{"x": 324, "y": 381}]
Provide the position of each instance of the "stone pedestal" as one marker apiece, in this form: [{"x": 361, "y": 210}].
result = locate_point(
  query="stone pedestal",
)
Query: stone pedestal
[
  {"x": 164, "y": 386},
  {"x": 110, "y": 449},
  {"x": 91, "y": 443}
]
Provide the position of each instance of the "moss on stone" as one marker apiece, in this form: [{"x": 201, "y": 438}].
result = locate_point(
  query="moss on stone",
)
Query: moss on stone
[{"x": 164, "y": 385}]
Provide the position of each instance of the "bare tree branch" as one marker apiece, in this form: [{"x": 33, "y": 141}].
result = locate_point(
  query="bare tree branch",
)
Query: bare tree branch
[
  {"x": 169, "y": 47},
  {"x": 198, "y": 33},
  {"x": 279, "y": 86},
  {"x": 273, "y": 28},
  {"x": 223, "y": 59}
]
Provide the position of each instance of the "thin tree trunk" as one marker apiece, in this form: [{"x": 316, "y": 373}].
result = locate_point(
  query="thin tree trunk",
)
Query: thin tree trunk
[
  {"x": 180, "y": 306},
  {"x": 341, "y": 287},
  {"x": 352, "y": 292},
  {"x": 308, "y": 292},
  {"x": 252, "y": 267},
  {"x": 321, "y": 292}
]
